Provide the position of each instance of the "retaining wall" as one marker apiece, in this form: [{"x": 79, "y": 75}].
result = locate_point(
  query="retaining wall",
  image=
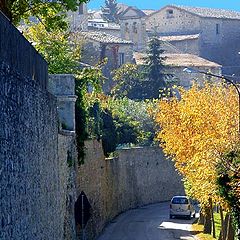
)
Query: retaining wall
[{"x": 139, "y": 176}]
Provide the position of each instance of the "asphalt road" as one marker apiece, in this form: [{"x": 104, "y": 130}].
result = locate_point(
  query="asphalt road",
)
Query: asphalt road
[{"x": 148, "y": 223}]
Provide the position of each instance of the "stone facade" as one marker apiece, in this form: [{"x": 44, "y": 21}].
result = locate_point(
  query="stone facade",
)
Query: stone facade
[
  {"x": 63, "y": 87},
  {"x": 132, "y": 25},
  {"x": 30, "y": 199},
  {"x": 78, "y": 20},
  {"x": 137, "y": 177},
  {"x": 99, "y": 46},
  {"x": 218, "y": 32},
  {"x": 37, "y": 163},
  {"x": 182, "y": 44}
]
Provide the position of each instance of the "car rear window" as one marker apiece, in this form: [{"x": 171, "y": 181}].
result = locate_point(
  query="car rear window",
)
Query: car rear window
[{"x": 180, "y": 201}]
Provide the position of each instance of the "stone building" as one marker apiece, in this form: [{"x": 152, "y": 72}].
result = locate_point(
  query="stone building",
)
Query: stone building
[
  {"x": 132, "y": 22},
  {"x": 175, "y": 64},
  {"x": 78, "y": 20},
  {"x": 210, "y": 33},
  {"x": 99, "y": 46},
  {"x": 100, "y": 25}
]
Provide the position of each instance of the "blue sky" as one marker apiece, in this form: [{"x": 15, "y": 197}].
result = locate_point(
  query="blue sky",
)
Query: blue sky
[{"x": 157, "y": 4}]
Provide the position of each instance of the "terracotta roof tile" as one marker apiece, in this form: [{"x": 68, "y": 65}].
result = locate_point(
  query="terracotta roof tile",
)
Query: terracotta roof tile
[
  {"x": 104, "y": 38},
  {"x": 179, "y": 37},
  {"x": 210, "y": 12},
  {"x": 179, "y": 60}
]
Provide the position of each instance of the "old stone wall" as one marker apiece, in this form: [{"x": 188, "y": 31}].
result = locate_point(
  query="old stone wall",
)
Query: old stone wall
[
  {"x": 187, "y": 46},
  {"x": 30, "y": 190},
  {"x": 67, "y": 178},
  {"x": 218, "y": 40},
  {"x": 221, "y": 46},
  {"x": 179, "y": 22},
  {"x": 134, "y": 30},
  {"x": 137, "y": 177},
  {"x": 186, "y": 80}
]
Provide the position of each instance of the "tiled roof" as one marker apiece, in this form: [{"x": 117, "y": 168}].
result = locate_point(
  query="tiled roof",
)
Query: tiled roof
[
  {"x": 104, "y": 38},
  {"x": 179, "y": 60},
  {"x": 138, "y": 13},
  {"x": 179, "y": 37},
  {"x": 210, "y": 12}
]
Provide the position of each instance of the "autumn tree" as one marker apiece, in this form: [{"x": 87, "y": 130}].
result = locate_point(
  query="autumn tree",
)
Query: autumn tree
[{"x": 195, "y": 131}]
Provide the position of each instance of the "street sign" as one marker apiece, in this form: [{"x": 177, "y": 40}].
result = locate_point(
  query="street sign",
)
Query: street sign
[{"x": 82, "y": 210}]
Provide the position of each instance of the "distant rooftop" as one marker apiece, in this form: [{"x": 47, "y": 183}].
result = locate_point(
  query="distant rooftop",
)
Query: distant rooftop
[
  {"x": 179, "y": 37},
  {"x": 179, "y": 60},
  {"x": 209, "y": 12},
  {"x": 104, "y": 38},
  {"x": 149, "y": 11}
]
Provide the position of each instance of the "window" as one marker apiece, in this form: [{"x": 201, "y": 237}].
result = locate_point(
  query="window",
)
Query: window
[
  {"x": 135, "y": 27},
  {"x": 180, "y": 200},
  {"x": 126, "y": 27},
  {"x": 121, "y": 59},
  {"x": 217, "y": 28},
  {"x": 170, "y": 13}
]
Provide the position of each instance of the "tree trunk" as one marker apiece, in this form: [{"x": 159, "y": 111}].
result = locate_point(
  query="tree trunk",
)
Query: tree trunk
[
  {"x": 201, "y": 218},
  {"x": 229, "y": 227},
  {"x": 223, "y": 232},
  {"x": 212, "y": 217},
  {"x": 207, "y": 221}
]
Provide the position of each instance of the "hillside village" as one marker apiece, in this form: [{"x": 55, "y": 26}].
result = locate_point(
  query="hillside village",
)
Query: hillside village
[{"x": 204, "y": 38}]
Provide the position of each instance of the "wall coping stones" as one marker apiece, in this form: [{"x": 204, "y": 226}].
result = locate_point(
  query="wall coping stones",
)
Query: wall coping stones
[{"x": 66, "y": 132}]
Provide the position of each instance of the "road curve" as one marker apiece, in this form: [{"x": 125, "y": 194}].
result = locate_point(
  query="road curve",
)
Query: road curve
[{"x": 148, "y": 223}]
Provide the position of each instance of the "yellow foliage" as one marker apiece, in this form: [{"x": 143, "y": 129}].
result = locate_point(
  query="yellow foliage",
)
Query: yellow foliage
[{"x": 195, "y": 130}]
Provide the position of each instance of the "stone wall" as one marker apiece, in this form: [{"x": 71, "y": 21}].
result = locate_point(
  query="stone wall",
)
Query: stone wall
[
  {"x": 134, "y": 30},
  {"x": 180, "y": 22},
  {"x": 139, "y": 176},
  {"x": 94, "y": 52},
  {"x": 67, "y": 158},
  {"x": 63, "y": 87},
  {"x": 30, "y": 198},
  {"x": 186, "y": 80},
  {"x": 218, "y": 41},
  {"x": 187, "y": 46}
]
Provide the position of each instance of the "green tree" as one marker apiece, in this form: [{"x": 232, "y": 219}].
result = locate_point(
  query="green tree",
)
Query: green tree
[
  {"x": 62, "y": 52},
  {"x": 126, "y": 122},
  {"x": 127, "y": 79},
  {"x": 110, "y": 11},
  {"x": 154, "y": 70},
  {"x": 50, "y": 12}
]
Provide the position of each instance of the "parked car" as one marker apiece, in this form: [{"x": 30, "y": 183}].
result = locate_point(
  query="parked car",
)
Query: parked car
[{"x": 181, "y": 206}]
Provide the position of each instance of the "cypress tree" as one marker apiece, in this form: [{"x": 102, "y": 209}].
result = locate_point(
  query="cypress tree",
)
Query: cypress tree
[
  {"x": 110, "y": 11},
  {"x": 154, "y": 70}
]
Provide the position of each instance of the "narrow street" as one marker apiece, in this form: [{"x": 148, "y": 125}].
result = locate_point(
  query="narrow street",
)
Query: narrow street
[{"x": 148, "y": 223}]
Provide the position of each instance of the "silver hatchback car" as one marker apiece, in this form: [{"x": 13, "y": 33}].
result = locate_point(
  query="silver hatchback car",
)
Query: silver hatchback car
[{"x": 181, "y": 206}]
